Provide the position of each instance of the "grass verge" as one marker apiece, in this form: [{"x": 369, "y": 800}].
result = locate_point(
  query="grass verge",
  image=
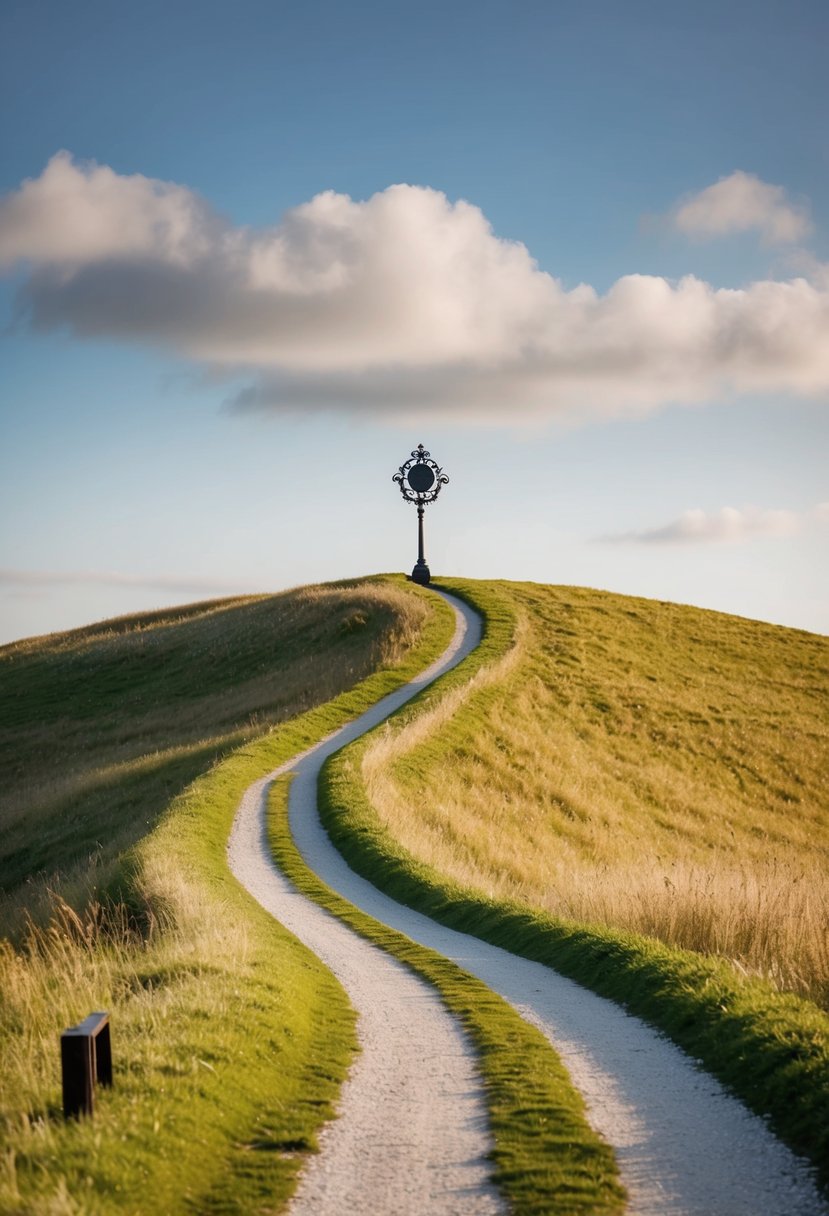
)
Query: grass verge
[
  {"x": 230, "y": 1039},
  {"x": 547, "y": 1157},
  {"x": 768, "y": 1047}
]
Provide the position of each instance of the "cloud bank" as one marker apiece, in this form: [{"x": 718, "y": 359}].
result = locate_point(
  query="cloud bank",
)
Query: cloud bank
[
  {"x": 743, "y": 203},
  {"x": 15, "y": 579},
  {"x": 399, "y": 305},
  {"x": 729, "y": 524}
]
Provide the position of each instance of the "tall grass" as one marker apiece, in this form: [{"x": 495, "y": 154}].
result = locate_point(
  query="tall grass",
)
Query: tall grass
[
  {"x": 769, "y": 1047},
  {"x": 101, "y": 727},
  {"x": 638, "y": 765},
  {"x": 231, "y": 1040}
]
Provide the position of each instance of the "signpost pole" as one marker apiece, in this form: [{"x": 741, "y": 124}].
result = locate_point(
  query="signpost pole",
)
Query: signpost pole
[
  {"x": 421, "y": 573},
  {"x": 420, "y": 480}
]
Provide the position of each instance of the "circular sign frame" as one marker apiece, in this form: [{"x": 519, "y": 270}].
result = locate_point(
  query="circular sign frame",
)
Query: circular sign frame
[{"x": 420, "y": 478}]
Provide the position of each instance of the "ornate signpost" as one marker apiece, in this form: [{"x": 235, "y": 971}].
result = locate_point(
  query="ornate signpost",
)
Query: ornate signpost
[{"x": 420, "y": 480}]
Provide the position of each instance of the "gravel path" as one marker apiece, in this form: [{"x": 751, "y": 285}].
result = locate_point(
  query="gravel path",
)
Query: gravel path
[
  {"x": 685, "y": 1147},
  {"x": 412, "y": 1136}
]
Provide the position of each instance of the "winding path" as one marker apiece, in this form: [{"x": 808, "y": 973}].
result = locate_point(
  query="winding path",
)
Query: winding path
[{"x": 412, "y": 1137}]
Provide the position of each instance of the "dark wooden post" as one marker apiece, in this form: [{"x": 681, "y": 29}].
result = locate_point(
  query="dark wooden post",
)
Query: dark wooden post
[
  {"x": 76, "y": 1066},
  {"x": 86, "y": 1058}
]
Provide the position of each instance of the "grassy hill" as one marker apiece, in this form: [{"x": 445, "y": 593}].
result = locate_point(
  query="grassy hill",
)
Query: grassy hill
[
  {"x": 633, "y": 791},
  {"x": 635, "y": 764},
  {"x": 101, "y": 727},
  {"x": 128, "y": 746}
]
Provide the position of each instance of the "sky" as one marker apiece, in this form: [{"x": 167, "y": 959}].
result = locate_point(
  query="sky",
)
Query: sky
[{"x": 251, "y": 255}]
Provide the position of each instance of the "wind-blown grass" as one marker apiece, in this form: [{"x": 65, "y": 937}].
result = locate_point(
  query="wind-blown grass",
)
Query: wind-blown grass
[
  {"x": 101, "y": 727},
  {"x": 230, "y": 1039},
  {"x": 771, "y": 1048},
  {"x": 208, "y": 1118},
  {"x": 639, "y": 765}
]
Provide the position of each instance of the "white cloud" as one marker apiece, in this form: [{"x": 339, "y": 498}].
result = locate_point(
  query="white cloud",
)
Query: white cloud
[
  {"x": 742, "y": 202},
  {"x": 401, "y": 304},
  {"x": 75, "y": 214},
  {"x": 728, "y": 524}
]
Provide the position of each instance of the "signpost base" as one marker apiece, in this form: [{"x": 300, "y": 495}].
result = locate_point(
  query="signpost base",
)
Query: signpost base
[{"x": 421, "y": 574}]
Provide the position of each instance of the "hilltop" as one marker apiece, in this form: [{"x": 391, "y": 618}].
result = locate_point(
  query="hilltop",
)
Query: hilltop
[{"x": 602, "y": 775}]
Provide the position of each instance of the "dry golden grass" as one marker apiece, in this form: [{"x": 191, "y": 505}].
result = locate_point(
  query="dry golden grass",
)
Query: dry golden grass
[
  {"x": 104, "y": 732},
  {"x": 102, "y": 726},
  {"x": 80, "y": 960},
  {"x": 86, "y": 770},
  {"x": 638, "y": 765}
]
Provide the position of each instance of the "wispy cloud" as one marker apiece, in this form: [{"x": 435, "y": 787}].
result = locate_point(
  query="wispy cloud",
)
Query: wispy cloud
[
  {"x": 742, "y": 202},
  {"x": 402, "y": 304},
  {"x": 16, "y": 580},
  {"x": 730, "y": 524}
]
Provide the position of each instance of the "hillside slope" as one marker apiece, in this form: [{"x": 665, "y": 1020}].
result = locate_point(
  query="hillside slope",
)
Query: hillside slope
[
  {"x": 447, "y": 808},
  {"x": 636, "y": 764},
  {"x": 230, "y": 1039},
  {"x": 100, "y": 727}
]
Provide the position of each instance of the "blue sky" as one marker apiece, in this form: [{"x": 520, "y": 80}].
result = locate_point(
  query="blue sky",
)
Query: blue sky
[{"x": 656, "y": 440}]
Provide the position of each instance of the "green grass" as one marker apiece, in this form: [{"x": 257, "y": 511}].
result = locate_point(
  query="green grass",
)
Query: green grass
[
  {"x": 101, "y": 727},
  {"x": 230, "y": 1042},
  {"x": 646, "y": 766},
  {"x": 547, "y": 1157},
  {"x": 769, "y": 1047},
  {"x": 595, "y": 721},
  {"x": 230, "y": 1039}
]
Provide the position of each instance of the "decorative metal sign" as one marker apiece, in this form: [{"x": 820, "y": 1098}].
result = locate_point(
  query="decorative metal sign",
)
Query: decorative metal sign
[{"x": 420, "y": 480}]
